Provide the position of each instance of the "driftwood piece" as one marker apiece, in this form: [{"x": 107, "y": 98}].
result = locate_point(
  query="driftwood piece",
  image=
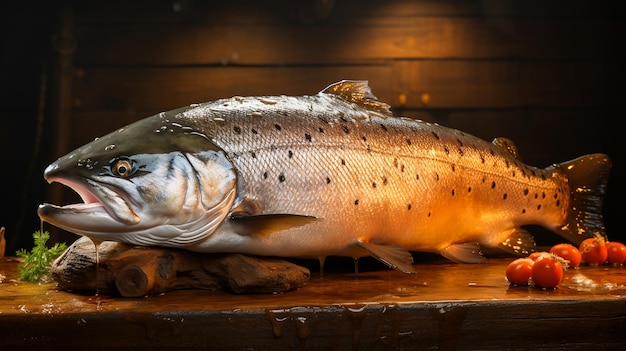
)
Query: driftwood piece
[{"x": 138, "y": 271}]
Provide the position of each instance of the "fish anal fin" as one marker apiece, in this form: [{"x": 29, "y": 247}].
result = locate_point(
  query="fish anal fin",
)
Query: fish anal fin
[
  {"x": 507, "y": 145},
  {"x": 266, "y": 224},
  {"x": 394, "y": 256},
  {"x": 358, "y": 92},
  {"x": 463, "y": 253},
  {"x": 520, "y": 243}
]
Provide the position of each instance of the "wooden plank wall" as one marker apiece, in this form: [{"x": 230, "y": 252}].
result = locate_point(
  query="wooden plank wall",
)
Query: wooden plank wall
[{"x": 547, "y": 74}]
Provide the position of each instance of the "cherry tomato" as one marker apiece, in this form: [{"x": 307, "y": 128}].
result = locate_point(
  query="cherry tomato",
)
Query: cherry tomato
[
  {"x": 538, "y": 255},
  {"x": 593, "y": 251},
  {"x": 568, "y": 252},
  {"x": 547, "y": 272},
  {"x": 616, "y": 253},
  {"x": 518, "y": 272}
]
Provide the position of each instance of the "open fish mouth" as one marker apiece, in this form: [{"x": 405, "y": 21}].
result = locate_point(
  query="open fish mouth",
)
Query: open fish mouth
[{"x": 103, "y": 209}]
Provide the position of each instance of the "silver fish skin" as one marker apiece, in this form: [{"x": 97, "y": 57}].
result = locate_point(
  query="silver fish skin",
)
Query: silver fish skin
[{"x": 332, "y": 174}]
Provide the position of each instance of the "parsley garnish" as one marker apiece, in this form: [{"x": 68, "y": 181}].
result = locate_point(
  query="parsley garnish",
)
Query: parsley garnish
[{"x": 36, "y": 265}]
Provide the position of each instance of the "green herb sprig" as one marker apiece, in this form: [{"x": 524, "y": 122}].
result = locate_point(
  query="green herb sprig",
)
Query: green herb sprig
[{"x": 36, "y": 265}]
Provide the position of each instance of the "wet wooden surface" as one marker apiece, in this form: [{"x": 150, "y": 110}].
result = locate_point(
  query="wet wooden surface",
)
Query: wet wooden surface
[{"x": 443, "y": 306}]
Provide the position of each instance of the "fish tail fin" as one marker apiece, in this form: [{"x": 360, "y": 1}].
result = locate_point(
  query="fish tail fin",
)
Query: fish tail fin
[{"x": 587, "y": 177}]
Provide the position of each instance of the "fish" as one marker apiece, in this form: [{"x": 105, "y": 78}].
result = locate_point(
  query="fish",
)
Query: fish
[{"x": 330, "y": 174}]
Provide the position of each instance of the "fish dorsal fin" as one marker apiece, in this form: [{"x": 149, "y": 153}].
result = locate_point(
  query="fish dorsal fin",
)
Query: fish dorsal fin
[
  {"x": 266, "y": 224},
  {"x": 507, "y": 145},
  {"x": 358, "y": 92}
]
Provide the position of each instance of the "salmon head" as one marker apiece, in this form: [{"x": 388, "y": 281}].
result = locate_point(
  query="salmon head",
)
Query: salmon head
[{"x": 154, "y": 182}]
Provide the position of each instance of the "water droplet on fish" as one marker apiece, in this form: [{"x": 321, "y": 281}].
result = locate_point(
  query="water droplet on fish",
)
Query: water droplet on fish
[
  {"x": 256, "y": 114},
  {"x": 109, "y": 147},
  {"x": 267, "y": 101}
]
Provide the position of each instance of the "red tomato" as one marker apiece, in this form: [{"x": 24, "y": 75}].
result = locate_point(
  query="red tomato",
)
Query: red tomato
[
  {"x": 547, "y": 272},
  {"x": 538, "y": 255},
  {"x": 593, "y": 251},
  {"x": 567, "y": 252},
  {"x": 616, "y": 253},
  {"x": 518, "y": 272}
]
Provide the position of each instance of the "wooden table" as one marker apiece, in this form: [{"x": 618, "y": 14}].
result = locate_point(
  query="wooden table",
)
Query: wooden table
[{"x": 443, "y": 306}]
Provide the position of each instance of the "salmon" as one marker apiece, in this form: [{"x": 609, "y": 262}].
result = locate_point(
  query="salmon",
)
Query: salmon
[{"x": 331, "y": 174}]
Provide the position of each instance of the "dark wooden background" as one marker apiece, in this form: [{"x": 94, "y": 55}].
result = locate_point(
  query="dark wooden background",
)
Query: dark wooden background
[{"x": 547, "y": 74}]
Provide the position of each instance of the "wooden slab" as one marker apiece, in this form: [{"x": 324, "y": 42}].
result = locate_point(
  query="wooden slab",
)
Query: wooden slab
[{"x": 443, "y": 306}]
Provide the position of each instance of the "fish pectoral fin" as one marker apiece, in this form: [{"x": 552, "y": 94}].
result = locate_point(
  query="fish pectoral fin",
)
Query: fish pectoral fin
[
  {"x": 394, "y": 256},
  {"x": 267, "y": 224},
  {"x": 464, "y": 253},
  {"x": 519, "y": 242}
]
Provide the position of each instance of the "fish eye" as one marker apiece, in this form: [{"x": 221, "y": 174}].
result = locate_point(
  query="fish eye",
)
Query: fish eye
[{"x": 123, "y": 167}]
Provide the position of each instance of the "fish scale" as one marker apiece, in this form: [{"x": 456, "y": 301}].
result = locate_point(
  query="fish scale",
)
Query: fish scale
[{"x": 329, "y": 174}]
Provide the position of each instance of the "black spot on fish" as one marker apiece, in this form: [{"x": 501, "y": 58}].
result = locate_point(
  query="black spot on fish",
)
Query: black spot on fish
[
  {"x": 513, "y": 174},
  {"x": 408, "y": 141},
  {"x": 254, "y": 131},
  {"x": 409, "y": 207},
  {"x": 281, "y": 177},
  {"x": 383, "y": 127},
  {"x": 469, "y": 189},
  {"x": 436, "y": 135},
  {"x": 428, "y": 214},
  {"x": 558, "y": 203},
  {"x": 538, "y": 207},
  {"x": 482, "y": 158},
  {"x": 461, "y": 152},
  {"x": 536, "y": 196},
  {"x": 356, "y": 202},
  {"x": 507, "y": 164},
  {"x": 436, "y": 176},
  {"x": 493, "y": 185},
  {"x": 525, "y": 191},
  {"x": 321, "y": 130},
  {"x": 346, "y": 130},
  {"x": 327, "y": 180},
  {"x": 452, "y": 192},
  {"x": 484, "y": 179},
  {"x": 395, "y": 162},
  {"x": 543, "y": 195},
  {"x": 237, "y": 129},
  {"x": 253, "y": 154},
  {"x": 417, "y": 176},
  {"x": 343, "y": 162},
  {"x": 373, "y": 184},
  {"x": 307, "y": 136},
  {"x": 447, "y": 151},
  {"x": 369, "y": 148},
  {"x": 341, "y": 117},
  {"x": 290, "y": 154},
  {"x": 264, "y": 175},
  {"x": 278, "y": 127},
  {"x": 504, "y": 196},
  {"x": 384, "y": 180},
  {"x": 453, "y": 167},
  {"x": 364, "y": 138},
  {"x": 402, "y": 167},
  {"x": 523, "y": 210}
]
